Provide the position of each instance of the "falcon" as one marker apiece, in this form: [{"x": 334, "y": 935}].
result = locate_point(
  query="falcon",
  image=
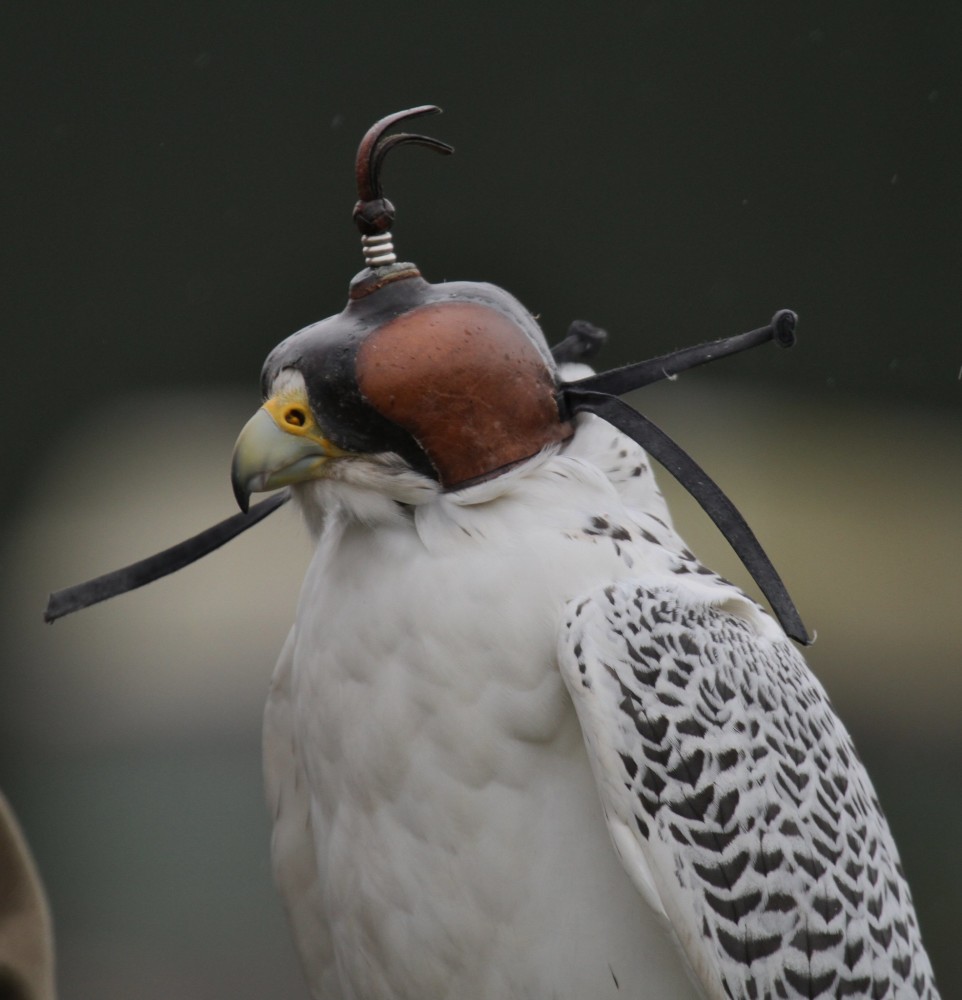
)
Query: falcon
[{"x": 520, "y": 742}]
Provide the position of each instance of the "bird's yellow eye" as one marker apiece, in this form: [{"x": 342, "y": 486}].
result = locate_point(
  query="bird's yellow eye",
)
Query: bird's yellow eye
[{"x": 294, "y": 416}]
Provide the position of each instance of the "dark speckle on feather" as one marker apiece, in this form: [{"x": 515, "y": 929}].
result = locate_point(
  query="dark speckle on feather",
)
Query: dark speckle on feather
[{"x": 732, "y": 761}]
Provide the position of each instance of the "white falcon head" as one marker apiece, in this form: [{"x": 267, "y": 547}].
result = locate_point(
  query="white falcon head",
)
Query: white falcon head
[{"x": 454, "y": 380}]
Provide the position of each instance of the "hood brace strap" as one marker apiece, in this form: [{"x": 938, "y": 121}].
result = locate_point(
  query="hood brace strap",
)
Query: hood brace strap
[
  {"x": 595, "y": 394},
  {"x": 83, "y": 595}
]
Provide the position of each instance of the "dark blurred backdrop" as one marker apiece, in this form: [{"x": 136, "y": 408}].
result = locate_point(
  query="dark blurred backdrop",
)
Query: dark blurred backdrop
[{"x": 176, "y": 198}]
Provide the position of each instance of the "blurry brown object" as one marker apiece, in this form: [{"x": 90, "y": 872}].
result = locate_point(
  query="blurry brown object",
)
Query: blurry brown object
[{"x": 26, "y": 936}]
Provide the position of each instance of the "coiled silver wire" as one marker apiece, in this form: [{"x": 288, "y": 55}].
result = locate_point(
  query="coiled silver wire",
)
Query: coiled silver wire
[{"x": 378, "y": 250}]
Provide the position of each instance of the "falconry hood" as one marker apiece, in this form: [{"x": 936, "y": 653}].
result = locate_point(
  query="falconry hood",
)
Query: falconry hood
[{"x": 456, "y": 378}]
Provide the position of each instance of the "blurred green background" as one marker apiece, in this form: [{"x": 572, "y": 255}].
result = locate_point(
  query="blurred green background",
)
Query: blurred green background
[{"x": 177, "y": 195}]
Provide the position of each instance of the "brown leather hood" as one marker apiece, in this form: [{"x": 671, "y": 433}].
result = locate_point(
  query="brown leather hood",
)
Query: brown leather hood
[{"x": 466, "y": 383}]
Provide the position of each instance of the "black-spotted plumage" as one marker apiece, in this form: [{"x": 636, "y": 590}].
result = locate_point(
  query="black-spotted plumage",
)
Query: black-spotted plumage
[
  {"x": 437, "y": 831},
  {"x": 477, "y": 526},
  {"x": 740, "y": 796}
]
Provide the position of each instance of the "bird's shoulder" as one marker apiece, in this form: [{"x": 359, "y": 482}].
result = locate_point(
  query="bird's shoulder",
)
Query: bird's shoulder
[{"x": 734, "y": 795}]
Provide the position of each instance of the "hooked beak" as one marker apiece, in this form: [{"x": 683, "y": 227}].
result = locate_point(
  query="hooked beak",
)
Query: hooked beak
[{"x": 281, "y": 444}]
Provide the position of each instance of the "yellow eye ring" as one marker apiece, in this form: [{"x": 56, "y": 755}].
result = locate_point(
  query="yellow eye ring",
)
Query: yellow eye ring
[{"x": 292, "y": 415}]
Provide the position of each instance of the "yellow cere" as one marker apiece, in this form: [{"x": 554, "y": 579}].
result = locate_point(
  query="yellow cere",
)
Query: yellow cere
[{"x": 290, "y": 411}]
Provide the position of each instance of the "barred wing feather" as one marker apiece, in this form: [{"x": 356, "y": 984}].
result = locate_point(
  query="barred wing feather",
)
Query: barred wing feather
[{"x": 736, "y": 800}]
